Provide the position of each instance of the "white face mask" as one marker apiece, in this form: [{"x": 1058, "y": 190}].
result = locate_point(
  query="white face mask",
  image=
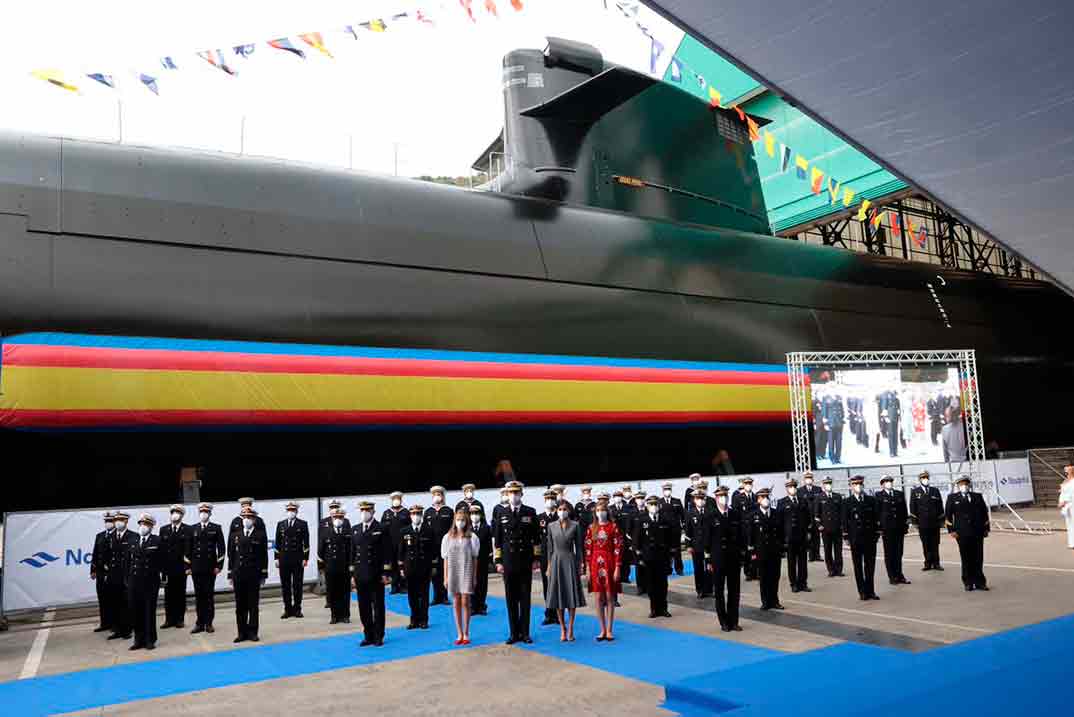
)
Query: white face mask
[
  {"x": 791, "y": 490},
  {"x": 469, "y": 495},
  {"x": 856, "y": 488},
  {"x": 176, "y": 517},
  {"x": 640, "y": 503},
  {"x": 248, "y": 522},
  {"x": 764, "y": 502},
  {"x": 504, "y": 500},
  {"x": 924, "y": 481},
  {"x": 475, "y": 521},
  {"x": 667, "y": 492},
  {"x": 460, "y": 524},
  {"x": 827, "y": 487},
  {"x": 602, "y": 515},
  {"x": 121, "y": 525},
  {"x": 722, "y": 501},
  {"x": 618, "y": 500},
  {"x": 337, "y": 522},
  {"x": 109, "y": 526},
  {"x": 809, "y": 481},
  {"x": 367, "y": 515},
  {"x": 437, "y": 499},
  {"x": 396, "y": 502},
  {"x": 203, "y": 516},
  {"x": 563, "y": 514},
  {"x": 516, "y": 499},
  {"x": 292, "y": 514},
  {"x": 886, "y": 486},
  {"x": 652, "y": 510},
  {"x": 143, "y": 529},
  {"x": 964, "y": 488},
  {"x": 699, "y": 504},
  {"x": 550, "y": 504},
  {"x": 415, "y": 521},
  {"x": 627, "y": 494}
]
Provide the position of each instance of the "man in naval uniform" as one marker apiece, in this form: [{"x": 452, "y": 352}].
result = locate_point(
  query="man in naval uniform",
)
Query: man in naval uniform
[
  {"x": 518, "y": 553},
  {"x": 174, "y": 539},
  {"x": 292, "y": 557},
  {"x": 395, "y": 520},
  {"x": 205, "y": 560},
  {"x": 927, "y": 511},
  {"x": 967, "y": 521},
  {"x": 247, "y": 571},
  {"x": 144, "y": 575},
  {"x": 373, "y": 561},
  {"x": 894, "y": 524},
  {"x": 861, "y": 529},
  {"x": 99, "y": 574}
]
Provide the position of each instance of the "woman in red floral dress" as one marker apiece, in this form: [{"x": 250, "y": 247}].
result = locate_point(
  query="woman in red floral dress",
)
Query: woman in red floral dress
[{"x": 603, "y": 553}]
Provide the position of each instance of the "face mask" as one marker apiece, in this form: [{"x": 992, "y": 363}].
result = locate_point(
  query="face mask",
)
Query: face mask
[
  {"x": 791, "y": 490},
  {"x": 618, "y": 500},
  {"x": 550, "y": 504},
  {"x": 695, "y": 481},
  {"x": 586, "y": 497},
  {"x": 652, "y": 510},
  {"x": 109, "y": 526},
  {"x": 469, "y": 495},
  {"x": 121, "y": 525},
  {"x": 460, "y": 524},
  {"x": 722, "y": 501},
  {"x": 504, "y": 500},
  {"x": 367, "y": 516},
  {"x": 292, "y": 514},
  {"x": 143, "y": 529},
  {"x": 516, "y": 499},
  {"x": 438, "y": 499},
  {"x": 204, "y": 516},
  {"x": 964, "y": 488},
  {"x": 396, "y": 502},
  {"x": 415, "y": 521},
  {"x": 924, "y": 481},
  {"x": 248, "y": 522},
  {"x": 764, "y": 502},
  {"x": 602, "y": 515},
  {"x": 856, "y": 489},
  {"x": 827, "y": 487},
  {"x": 809, "y": 481},
  {"x": 176, "y": 517},
  {"x": 475, "y": 520},
  {"x": 639, "y": 503},
  {"x": 337, "y": 522},
  {"x": 667, "y": 493},
  {"x": 563, "y": 515},
  {"x": 627, "y": 494},
  {"x": 886, "y": 486},
  {"x": 700, "y": 503}
]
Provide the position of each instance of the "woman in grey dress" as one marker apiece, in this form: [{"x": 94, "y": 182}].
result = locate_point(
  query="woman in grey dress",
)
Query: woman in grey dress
[
  {"x": 460, "y": 549},
  {"x": 566, "y": 565}
]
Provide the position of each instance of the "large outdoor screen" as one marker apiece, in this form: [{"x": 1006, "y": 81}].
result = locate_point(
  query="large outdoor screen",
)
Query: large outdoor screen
[{"x": 886, "y": 416}]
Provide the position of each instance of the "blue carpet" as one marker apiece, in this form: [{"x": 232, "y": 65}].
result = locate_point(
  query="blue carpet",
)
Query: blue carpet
[{"x": 649, "y": 653}]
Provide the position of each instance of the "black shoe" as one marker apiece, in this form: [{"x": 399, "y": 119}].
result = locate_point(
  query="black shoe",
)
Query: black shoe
[
  {"x": 151, "y": 646},
  {"x": 862, "y": 597},
  {"x": 969, "y": 588},
  {"x": 136, "y": 646},
  {"x": 240, "y": 638},
  {"x": 379, "y": 643},
  {"x": 511, "y": 640},
  {"x": 210, "y": 628},
  {"x": 805, "y": 589},
  {"x": 903, "y": 581},
  {"x": 528, "y": 640},
  {"x": 794, "y": 589},
  {"x": 874, "y": 596},
  {"x": 707, "y": 595},
  {"x": 411, "y": 626},
  {"x": 425, "y": 626},
  {"x": 831, "y": 574},
  {"x": 893, "y": 582},
  {"x": 736, "y": 628},
  {"x": 333, "y": 621},
  {"x": 197, "y": 629},
  {"x": 285, "y": 616},
  {"x": 254, "y": 638},
  {"x": 549, "y": 621},
  {"x": 178, "y": 624},
  {"x": 725, "y": 628},
  {"x": 617, "y": 603},
  {"x": 778, "y": 606},
  {"x": 926, "y": 568},
  {"x": 840, "y": 574},
  {"x": 983, "y": 587},
  {"x": 297, "y": 613},
  {"x": 765, "y": 607},
  {"x": 102, "y": 628},
  {"x": 115, "y": 636},
  {"x": 165, "y": 626},
  {"x": 937, "y": 567},
  {"x": 665, "y": 614},
  {"x": 347, "y": 620}
]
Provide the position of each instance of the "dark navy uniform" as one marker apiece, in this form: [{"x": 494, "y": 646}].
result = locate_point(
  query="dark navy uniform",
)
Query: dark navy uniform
[
  {"x": 292, "y": 554},
  {"x": 797, "y": 524},
  {"x": 144, "y": 566},
  {"x": 116, "y": 570},
  {"x": 655, "y": 539},
  {"x": 544, "y": 519},
  {"x": 518, "y": 547},
  {"x": 584, "y": 510},
  {"x": 205, "y": 557},
  {"x": 336, "y": 553},
  {"x": 811, "y": 493},
  {"x": 967, "y": 519},
  {"x": 722, "y": 538},
  {"x": 861, "y": 528},
  {"x": 484, "y": 559},
  {"x": 465, "y": 504},
  {"x": 625, "y": 521},
  {"x": 828, "y": 518},
  {"x": 174, "y": 539},
  {"x": 395, "y": 521},
  {"x": 764, "y": 545},
  {"x": 419, "y": 559},
  {"x": 677, "y": 513},
  {"x": 247, "y": 569},
  {"x": 441, "y": 519},
  {"x": 99, "y": 573},
  {"x": 259, "y": 525},
  {"x": 373, "y": 560},
  {"x": 323, "y": 525},
  {"x": 927, "y": 511},
  {"x": 745, "y": 502},
  {"x": 894, "y": 524},
  {"x": 693, "y": 528}
]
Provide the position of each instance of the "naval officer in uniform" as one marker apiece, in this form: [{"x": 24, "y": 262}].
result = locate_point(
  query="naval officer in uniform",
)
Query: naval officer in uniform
[
  {"x": 292, "y": 557},
  {"x": 205, "y": 560},
  {"x": 967, "y": 522},
  {"x": 174, "y": 539},
  {"x": 518, "y": 553},
  {"x": 247, "y": 571},
  {"x": 927, "y": 511}
]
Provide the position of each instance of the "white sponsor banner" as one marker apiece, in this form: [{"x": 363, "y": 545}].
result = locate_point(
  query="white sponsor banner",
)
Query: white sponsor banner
[
  {"x": 47, "y": 554},
  {"x": 1013, "y": 481}
]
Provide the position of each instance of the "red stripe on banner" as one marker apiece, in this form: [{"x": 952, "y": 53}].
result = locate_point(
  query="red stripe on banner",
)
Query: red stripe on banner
[
  {"x": 158, "y": 359},
  {"x": 29, "y": 418}
]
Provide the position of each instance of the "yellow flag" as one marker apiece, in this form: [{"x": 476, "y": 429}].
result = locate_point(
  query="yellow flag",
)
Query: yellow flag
[
  {"x": 848, "y": 196},
  {"x": 862, "y": 209},
  {"x": 714, "y": 97},
  {"x": 833, "y": 189},
  {"x": 769, "y": 143},
  {"x": 55, "y": 78}
]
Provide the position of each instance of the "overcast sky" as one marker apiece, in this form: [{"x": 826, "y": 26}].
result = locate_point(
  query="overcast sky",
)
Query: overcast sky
[{"x": 434, "y": 91}]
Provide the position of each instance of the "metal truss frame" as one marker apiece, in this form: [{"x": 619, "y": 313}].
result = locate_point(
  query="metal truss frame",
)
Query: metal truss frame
[{"x": 799, "y": 362}]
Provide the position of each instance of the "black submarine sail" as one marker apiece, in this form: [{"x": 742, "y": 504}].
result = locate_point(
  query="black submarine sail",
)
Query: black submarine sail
[{"x": 621, "y": 281}]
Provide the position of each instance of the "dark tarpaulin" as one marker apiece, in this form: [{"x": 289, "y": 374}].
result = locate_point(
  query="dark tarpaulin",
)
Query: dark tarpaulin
[{"x": 970, "y": 101}]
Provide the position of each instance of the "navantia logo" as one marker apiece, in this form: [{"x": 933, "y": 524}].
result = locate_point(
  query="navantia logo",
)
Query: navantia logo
[{"x": 39, "y": 559}]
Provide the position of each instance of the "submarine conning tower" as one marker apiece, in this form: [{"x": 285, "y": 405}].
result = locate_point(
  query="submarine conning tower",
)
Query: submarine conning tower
[{"x": 580, "y": 130}]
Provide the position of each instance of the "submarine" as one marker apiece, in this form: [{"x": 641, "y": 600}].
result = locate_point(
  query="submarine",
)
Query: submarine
[{"x": 610, "y": 306}]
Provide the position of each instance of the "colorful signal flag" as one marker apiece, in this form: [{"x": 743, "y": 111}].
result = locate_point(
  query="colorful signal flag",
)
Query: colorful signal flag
[
  {"x": 676, "y": 71},
  {"x": 286, "y": 45},
  {"x": 921, "y": 238},
  {"x": 714, "y": 97},
  {"x": 896, "y": 228},
  {"x": 865, "y": 204},
  {"x": 815, "y": 180},
  {"x": 834, "y": 185},
  {"x": 53, "y": 77},
  {"x": 104, "y": 79},
  {"x": 490, "y": 7},
  {"x": 784, "y": 157},
  {"x": 216, "y": 59},
  {"x": 753, "y": 128},
  {"x": 244, "y": 50},
  {"x": 468, "y": 6},
  {"x": 517, "y": 5},
  {"x": 374, "y": 25},
  {"x": 150, "y": 83},
  {"x": 801, "y": 164},
  {"x": 316, "y": 41},
  {"x": 848, "y": 196},
  {"x": 656, "y": 49},
  {"x": 740, "y": 113},
  {"x": 769, "y": 143},
  {"x": 168, "y": 63}
]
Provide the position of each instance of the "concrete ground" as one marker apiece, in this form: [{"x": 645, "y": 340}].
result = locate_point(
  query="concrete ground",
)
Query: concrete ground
[{"x": 1032, "y": 579}]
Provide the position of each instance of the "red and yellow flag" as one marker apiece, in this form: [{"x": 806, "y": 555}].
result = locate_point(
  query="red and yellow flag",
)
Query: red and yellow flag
[
  {"x": 314, "y": 40},
  {"x": 714, "y": 97},
  {"x": 740, "y": 113},
  {"x": 754, "y": 133},
  {"x": 816, "y": 176}
]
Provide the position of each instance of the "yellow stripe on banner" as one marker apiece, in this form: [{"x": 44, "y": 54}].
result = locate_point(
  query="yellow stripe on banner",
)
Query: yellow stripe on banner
[{"x": 62, "y": 388}]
